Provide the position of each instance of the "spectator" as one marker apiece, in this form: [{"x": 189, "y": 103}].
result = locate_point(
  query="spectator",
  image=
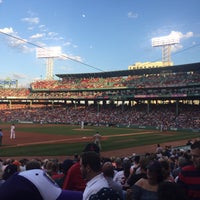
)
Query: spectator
[
  {"x": 189, "y": 177},
  {"x": 166, "y": 171},
  {"x": 34, "y": 185},
  {"x": 74, "y": 179},
  {"x": 33, "y": 164},
  {"x": 1, "y": 137},
  {"x": 136, "y": 165},
  {"x": 181, "y": 162},
  {"x": 9, "y": 171},
  {"x": 108, "y": 172},
  {"x": 118, "y": 164},
  {"x": 143, "y": 172},
  {"x": 147, "y": 188},
  {"x": 170, "y": 191},
  {"x": 59, "y": 177},
  {"x": 90, "y": 163}
]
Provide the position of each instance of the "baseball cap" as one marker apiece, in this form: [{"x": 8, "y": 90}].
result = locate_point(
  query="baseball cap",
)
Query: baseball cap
[{"x": 35, "y": 185}]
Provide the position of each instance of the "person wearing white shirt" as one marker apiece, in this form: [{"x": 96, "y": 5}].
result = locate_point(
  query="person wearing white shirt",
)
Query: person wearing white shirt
[
  {"x": 12, "y": 131},
  {"x": 91, "y": 171}
]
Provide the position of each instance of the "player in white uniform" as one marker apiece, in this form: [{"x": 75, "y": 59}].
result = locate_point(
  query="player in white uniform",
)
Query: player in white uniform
[{"x": 12, "y": 131}]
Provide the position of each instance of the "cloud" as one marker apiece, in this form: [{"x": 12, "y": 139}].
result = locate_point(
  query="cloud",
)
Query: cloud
[
  {"x": 31, "y": 20},
  {"x": 53, "y": 36},
  {"x": 67, "y": 44},
  {"x": 37, "y": 35},
  {"x": 14, "y": 41},
  {"x": 7, "y": 30},
  {"x": 181, "y": 35},
  {"x": 176, "y": 47},
  {"x": 132, "y": 15},
  {"x": 1, "y": 1}
]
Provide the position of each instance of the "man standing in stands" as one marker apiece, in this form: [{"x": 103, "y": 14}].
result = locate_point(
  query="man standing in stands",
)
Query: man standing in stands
[
  {"x": 189, "y": 177},
  {"x": 12, "y": 131},
  {"x": 90, "y": 165}
]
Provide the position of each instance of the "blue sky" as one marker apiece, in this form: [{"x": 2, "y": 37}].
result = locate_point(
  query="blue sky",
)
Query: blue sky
[{"x": 104, "y": 35}]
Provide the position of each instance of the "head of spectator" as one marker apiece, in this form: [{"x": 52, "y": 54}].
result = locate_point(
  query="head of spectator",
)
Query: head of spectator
[
  {"x": 23, "y": 163},
  {"x": 52, "y": 167},
  {"x": 90, "y": 162},
  {"x": 35, "y": 185},
  {"x": 66, "y": 164},
  {"x": 91, "y": 147},
  {"x": 33, "y": 164},
  {"x": 118, "y": 164},
  {"x": 154, "y": 172},
  {"x": 76, "y": 157},
  {"x": 195, "y": 153},
  {"x": 108, "y": 169},
  {"x": 9, "y": 171},
  {"x": 90, "y": 166},
  {"x": 166, "y": 172}
]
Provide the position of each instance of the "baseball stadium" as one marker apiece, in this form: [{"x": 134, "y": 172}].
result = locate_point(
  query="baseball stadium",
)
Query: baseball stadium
[
  {"x": 99, "y": 100},
  {"x": 133, "y": 110}
]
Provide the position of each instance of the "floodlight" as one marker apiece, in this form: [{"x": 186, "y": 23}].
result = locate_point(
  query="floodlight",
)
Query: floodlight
[
  {"x": 166, "y": 40},
  {"x": 49, "y": 53}
]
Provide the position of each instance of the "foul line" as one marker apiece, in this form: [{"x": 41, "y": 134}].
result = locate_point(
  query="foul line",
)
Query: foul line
[{"x": 77, "y": 139}]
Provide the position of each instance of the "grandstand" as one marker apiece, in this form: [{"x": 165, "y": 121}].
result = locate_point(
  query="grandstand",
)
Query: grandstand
[{"x": 140, "y": 97}]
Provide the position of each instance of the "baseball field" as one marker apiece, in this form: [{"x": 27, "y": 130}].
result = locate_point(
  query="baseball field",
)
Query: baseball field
[{"x": 35, "y": 140}]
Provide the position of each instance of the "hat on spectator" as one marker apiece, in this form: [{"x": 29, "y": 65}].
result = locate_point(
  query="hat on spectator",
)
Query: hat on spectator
[
  {"x": 35, "y": 185},
  {"x": 91, "y": 147}
]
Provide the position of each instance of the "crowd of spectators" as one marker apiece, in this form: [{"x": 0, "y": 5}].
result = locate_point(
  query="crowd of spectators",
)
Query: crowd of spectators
[
  {"x": 136, "y": 81},
  {"x": 138, "y": 86},
  {"x": 159, "y": 115},
  {"x": 160, "y": 175}
]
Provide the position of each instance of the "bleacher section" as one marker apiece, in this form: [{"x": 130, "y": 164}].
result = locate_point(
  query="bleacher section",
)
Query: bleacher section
[{"x": 149, "y": 87}]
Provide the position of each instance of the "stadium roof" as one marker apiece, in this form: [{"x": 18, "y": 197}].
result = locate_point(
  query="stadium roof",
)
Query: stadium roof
[{"x": 176, "y": 68}]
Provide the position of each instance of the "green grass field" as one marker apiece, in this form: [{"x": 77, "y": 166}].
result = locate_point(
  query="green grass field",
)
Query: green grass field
[{"x": 114, "y": 139}]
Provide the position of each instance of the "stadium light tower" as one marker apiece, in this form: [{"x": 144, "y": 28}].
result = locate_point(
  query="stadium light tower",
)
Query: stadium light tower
[
  {"x": 166, "y": 43},
  {"x": 49, "y": 54}
]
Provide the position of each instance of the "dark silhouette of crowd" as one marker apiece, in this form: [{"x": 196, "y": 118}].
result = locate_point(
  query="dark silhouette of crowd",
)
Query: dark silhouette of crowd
[{"x": 167, "y": 173}]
